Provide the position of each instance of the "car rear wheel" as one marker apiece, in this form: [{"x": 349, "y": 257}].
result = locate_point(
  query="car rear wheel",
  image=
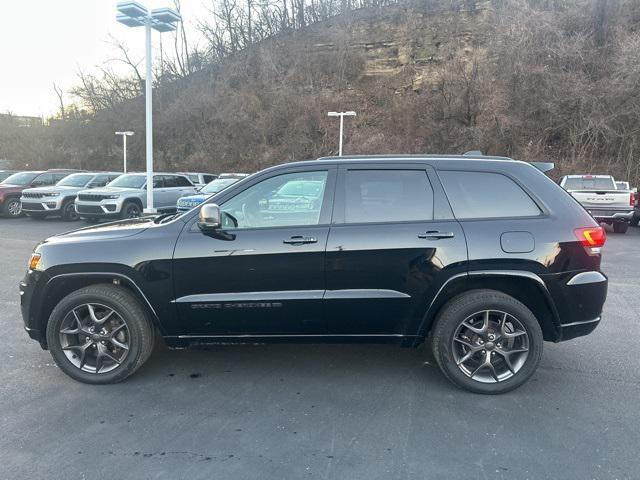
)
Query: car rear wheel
[
  {"x": 131, "y": 210},
  {"x": 69, "y": 213},
  {"x": 100, "y": 334},
  {"x": 487, "y": 342},
  {"x": 13, "y": 208},
  {"x": 620, "y": 227}
]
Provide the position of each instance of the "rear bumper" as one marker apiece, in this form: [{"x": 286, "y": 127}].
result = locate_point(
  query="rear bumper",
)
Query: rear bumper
[
  {"x": 611, "y": 215},
  {"x": 579, "y": 298}
]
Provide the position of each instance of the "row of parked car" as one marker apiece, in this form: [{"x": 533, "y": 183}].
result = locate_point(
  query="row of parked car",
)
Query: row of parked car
[{"x": 73, "y": 194}]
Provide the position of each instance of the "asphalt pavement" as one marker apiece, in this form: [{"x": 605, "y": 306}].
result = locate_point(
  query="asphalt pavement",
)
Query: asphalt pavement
[{"x": 321, "y": 411}]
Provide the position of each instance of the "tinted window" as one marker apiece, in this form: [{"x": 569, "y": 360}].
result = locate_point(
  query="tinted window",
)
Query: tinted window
[
  {"x": 170, "y": 181},
  {"x": 387, "y": 196},
  {"x": 158, "y": 181},
  {"x": 209, "y": 178},
  {"x": 100, "y": 180},
  {"x": 486, "y": 195},
  {"x": 589, "y": 183},
  {"x": 181, "y": 182},
  {"x": 44, "y": 179},
  {"x": 267, "y": 204}
]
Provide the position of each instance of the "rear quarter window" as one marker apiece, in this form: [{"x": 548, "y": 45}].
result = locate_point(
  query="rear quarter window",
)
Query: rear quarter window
[{"x": 486, "y": 195}]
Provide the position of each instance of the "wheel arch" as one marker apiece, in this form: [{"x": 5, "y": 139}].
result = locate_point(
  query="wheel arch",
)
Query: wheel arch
[
  {"x": 524, "y": 286},
  {"x": 61, "y": 285}
]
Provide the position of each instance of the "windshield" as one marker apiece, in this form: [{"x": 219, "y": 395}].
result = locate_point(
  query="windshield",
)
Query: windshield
[
  {"x": 22, "y": 178},
  {"x": 589, "y": 183},
  {"x": 217, "y": 185},
  {"x": 75, "y": 180},
  {"x": 129, "y": 181}
]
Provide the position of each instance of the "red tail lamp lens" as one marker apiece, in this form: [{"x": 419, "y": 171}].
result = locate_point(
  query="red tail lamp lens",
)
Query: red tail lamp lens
[{"x": 591, "y": 236}]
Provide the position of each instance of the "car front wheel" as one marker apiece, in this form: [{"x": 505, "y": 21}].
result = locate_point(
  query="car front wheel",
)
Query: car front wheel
[
  {"x": 100, "y": 334},
  {"x": 487, "y": 342},
  {"x": 13, "y": 208}
]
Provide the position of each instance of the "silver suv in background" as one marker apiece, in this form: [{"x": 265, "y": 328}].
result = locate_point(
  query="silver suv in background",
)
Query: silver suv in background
[
  {"x": 599, "y": 195},
  {"x": 126, "y": 196},
  {"x": 58, "y": 199}
]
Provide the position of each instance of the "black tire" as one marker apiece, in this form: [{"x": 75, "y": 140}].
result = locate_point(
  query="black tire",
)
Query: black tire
[
  {"x": 141, "y": 333},
  {"x": 620, "y": 227},
  {"x": 131, "y": 210},
  {"x": 461, "y": 308},
  {"x": 635, "y": 220},
  {"x": 68, "y": 210},
  {"x": 12, "y": 208}
]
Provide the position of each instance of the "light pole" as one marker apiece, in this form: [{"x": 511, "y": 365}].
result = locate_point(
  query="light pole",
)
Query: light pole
[
  {"x": 124, "y": 136},
  {"x": 133, "y": 14},
  {"x": 341, "y": 115}
]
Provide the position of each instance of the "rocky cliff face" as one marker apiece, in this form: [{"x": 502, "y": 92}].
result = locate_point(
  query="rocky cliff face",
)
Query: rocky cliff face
[{"x": 406, "y": 41}]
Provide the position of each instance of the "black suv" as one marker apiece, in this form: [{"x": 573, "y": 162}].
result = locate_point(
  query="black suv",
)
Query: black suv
[{"x": 485, "y": 257}]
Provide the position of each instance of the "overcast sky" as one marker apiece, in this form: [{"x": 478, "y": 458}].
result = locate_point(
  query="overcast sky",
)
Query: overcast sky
[{"x": 46, "y": 41}]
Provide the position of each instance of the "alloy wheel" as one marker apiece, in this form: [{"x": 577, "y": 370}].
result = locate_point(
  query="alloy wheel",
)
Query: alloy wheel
[
  {"x": 70, "y": 212},
  {"x": 490, "y": 346},
  {"x": 14, "y": 208},
  {"x": 133, "y": 211},
  {"x": 94, "y": 338}
]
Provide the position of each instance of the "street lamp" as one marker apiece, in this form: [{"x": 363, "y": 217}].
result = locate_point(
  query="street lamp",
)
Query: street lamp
[
  {"x": 124, "y": 147},
  {"x": 132, "y": 14},
  {"x": 341, "y": 115}
]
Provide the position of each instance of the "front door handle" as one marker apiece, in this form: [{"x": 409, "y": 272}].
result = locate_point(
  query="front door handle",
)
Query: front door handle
[
  {"x": 300, "y": 240},
  {"x": 435, "y": 235}
]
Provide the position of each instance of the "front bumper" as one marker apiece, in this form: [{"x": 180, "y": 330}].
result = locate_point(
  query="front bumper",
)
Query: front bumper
[
  {"x": 32, "y": 283},
  {"x": 104, "y": 208},
  {"x": 43, "y": 205}
]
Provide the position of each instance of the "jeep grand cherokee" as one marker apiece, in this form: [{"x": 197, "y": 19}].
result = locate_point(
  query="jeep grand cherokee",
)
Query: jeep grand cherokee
[{"x": 485, "y": 257}]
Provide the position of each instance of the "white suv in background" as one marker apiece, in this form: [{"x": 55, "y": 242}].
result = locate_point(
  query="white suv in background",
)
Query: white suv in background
[
  {"x": 126, "y": 196},
  {"x": 58, "y": 199}
]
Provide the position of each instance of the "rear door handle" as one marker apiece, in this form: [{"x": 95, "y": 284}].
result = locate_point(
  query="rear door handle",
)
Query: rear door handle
[
  {"x": 435, "y": 235},
  {"x": 300, "y": 240}
]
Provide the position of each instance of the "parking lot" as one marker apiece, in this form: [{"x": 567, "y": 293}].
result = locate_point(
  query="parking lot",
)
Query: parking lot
[{"x": 306, "y": 411}]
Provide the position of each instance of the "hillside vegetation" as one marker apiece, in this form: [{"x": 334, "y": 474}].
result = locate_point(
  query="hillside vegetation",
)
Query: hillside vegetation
[{"x": 536, "y": 80}]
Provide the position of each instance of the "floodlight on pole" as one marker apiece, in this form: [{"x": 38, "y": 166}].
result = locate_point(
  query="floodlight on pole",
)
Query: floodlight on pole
[
  {"x": 124, "y": 136},
  {"x": 341, "y": 115},
  {"x": 133, "y": 14}
]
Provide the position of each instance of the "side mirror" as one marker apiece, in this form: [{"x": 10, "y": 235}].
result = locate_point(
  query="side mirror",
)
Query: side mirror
[{"x": 209, "y": 217}]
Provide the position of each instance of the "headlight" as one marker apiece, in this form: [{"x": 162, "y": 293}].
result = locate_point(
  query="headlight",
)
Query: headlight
[
  {"x": 111, "y": 197},
  {"x": 35, "y": 262},
  {"x": 50, "y": 195}
]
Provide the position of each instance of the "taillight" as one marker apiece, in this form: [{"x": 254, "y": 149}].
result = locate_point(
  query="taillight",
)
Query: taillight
[
  {"x": 591, "y": 238},
  {"x": 632, "y": 199}
]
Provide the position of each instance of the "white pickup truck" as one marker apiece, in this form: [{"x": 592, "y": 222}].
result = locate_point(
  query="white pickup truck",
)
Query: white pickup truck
[{"x": 600, "y": 197}]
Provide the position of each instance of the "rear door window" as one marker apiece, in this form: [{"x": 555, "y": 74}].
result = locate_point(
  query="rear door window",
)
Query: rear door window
[
  {"x": 182, "y": 181},
  {"x": 486, "y": 195},
  {"x": 375, "y": 196}
]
